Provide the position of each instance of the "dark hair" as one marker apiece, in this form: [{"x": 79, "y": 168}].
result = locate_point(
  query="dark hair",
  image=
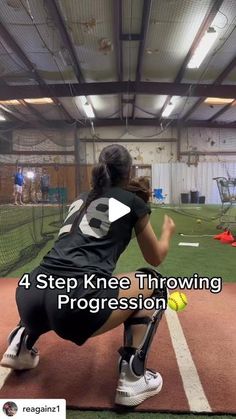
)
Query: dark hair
[{"x": 113, "y": 169}]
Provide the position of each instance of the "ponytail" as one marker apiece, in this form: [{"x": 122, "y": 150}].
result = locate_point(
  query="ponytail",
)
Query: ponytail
[
  {"x": 100, "y": 176},
  {"x": 100, "y": 180}
]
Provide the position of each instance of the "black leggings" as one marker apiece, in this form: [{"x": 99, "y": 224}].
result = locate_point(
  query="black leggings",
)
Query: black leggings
[{"x": 38, "y": 310}]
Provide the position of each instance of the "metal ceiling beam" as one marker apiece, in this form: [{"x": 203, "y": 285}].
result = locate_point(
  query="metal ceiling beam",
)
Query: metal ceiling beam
[
  {"x": 9, "y": 113},
  {"x": 226, "y": 71},
  {"x": 209, "y": 17},
  {"x": 117, "y": 7},
  {"x": 193, "y": 108},
  {"x": 33, "y": 110},
  {"x": 147, "y": 5},
  {"x": 118, "y": 33},
  {"x": 153, "y": 122},
  {"x": 108, "y": 88},
  {"x": 217, "y": 82},
  {"x": 131, "y": 37},
  {"x": 127, "y": 101},
  {"x": 150, "y": 122},
  {"x": 222, "y": 111},
  {"x": 60, "y": 24},
  {"x": 10, "y": 41}
]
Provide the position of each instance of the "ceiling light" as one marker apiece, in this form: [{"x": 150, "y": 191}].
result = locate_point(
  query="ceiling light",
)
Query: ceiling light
[
  {"x": 39, "y": 101},
  {"x": 217, "y": 101},
  {"x": 2, "y": 118},
  {"x": 203, "y": 48},
  {"x": 169, "y": 108},
  {"x": 11, "y": 102},
  {"x": 86, "y": 106}
]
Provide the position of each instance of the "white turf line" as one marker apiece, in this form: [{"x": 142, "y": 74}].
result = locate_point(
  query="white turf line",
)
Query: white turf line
[
  {"x": 191, "y": 382},
  {"x": 188, "y": 244},
  {"x": 4, "y": 374}
]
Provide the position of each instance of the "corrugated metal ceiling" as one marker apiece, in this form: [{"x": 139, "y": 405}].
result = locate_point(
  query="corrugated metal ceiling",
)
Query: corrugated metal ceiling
[
  {"x": 172, "y": 29},
  {"x": 229, "y": 115},
  {"x": 90, "y": 24},
  {"x": 223, "y": 50}
]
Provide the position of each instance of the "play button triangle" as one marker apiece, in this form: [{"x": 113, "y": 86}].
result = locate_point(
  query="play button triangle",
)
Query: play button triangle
[{"x": 117, "y": 209}]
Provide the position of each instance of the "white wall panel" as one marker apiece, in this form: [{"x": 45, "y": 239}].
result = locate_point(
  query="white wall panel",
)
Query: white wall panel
[{"x": 176, "y": 178}]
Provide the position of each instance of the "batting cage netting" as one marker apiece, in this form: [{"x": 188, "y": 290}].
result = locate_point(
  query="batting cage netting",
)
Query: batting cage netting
[
  {"x": 54, "y": 171},
  {"x": 24, "y": 231}
]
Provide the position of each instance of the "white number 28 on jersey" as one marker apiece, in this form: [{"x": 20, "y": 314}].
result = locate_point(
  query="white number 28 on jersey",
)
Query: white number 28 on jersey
[{"x": 94, "y": 223}]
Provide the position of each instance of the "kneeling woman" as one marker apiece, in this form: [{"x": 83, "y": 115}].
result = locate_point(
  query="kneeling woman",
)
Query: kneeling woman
[{"x": 89, "y": 243}]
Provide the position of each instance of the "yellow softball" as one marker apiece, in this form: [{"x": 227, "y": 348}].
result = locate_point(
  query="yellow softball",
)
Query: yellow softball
[{"x": 177, "y": 301}]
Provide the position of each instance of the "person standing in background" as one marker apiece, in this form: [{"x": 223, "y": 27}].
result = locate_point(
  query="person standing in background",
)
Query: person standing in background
[
  {"x": 18, "y": 186},
  {"x": 44, "y": 185}
]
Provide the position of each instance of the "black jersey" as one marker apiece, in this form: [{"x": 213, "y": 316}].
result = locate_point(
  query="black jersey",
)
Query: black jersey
[{"x": 95, "y": 245}]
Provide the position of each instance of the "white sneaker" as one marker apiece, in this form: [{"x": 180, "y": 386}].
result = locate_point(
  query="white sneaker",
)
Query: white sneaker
[
  {"x": 17, "y": 356},
  {"x": 132, "y": 390}
]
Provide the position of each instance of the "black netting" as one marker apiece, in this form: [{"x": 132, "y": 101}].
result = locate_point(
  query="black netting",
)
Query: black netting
[{"x": 25, "y": 231}]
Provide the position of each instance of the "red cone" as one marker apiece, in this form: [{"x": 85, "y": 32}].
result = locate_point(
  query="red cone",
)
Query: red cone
[
  {"x": 221, "y": 235},
  {"x": 228, "y": 239}
]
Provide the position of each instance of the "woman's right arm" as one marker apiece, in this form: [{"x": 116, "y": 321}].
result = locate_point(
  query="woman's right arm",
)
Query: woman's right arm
[{"x": 154, "y": 250}]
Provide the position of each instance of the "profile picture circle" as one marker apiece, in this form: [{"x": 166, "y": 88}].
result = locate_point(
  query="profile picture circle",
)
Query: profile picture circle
[{"x": 10, "y": 408}]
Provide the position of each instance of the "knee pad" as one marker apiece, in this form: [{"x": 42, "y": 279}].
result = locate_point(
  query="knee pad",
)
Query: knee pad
[
  {"x": 136, "y": 357},
  {"x": 160, "y": 292}
]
